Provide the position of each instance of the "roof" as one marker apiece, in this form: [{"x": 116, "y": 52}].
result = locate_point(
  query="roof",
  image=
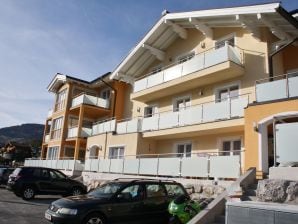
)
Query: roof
[
  {"x": 61, "y": 79},
  {"x": 174, "y": 25}
]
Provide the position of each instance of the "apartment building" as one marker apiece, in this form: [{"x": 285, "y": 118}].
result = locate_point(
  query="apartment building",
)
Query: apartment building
[
  {"x": 78, "y": 105},
  {"x": 197, "y": 96}
]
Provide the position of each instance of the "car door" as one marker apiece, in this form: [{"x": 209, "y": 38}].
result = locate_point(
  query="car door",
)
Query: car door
[
  {"x": 59, "y": 184},
  {"x": 42, "y": 179},
  {"x": 127, "y": 205},
  {"x": 155, "y": 202}
]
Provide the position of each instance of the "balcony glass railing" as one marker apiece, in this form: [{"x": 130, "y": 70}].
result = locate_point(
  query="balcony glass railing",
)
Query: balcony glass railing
[
  {"x": 73, "y": 132},
  {"x": 277, "y": 87},
  {"x": 91, "y": 100},
  {"x": 104, "y": 126},
  {"x": 202, "y": 113},
  {"x": 62, "y": 164},
  {"x": 198, "y": 62},
  {"x": 129, "y": 126},
  {"x": 47, "y": 138}
]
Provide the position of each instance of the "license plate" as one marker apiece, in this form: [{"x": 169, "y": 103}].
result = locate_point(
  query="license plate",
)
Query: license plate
[{"x": 48, "y": 216}]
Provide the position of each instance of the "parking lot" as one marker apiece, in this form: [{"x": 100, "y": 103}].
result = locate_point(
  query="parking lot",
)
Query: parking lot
[{"x": 15, "y": 210}]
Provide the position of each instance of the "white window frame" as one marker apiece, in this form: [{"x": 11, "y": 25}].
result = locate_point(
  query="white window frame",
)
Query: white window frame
[
  {"x": 226, "y": 86},
  {"x": 221, "y": 140},
  {"x": 51, "y": 155},
  {"x": 225, "y": 38},
  {"x": 175, "y": 100},
  {"x": 188, "y": 56},
  {"x": 176, "y": 144},
  {"x": 154, "y": 110},
  {"x": 68, "y": 147},
  {"x": 105, "y": 91},
  {"x": 54, "y": 129},
  {"x": 118, "y": 153},
  {"x": 61, "y": 99}
]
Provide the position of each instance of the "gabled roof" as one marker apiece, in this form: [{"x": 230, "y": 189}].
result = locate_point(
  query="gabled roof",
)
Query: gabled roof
[
  {"x": 61, "y": 79},
  {"x": 174, "y": 25}
]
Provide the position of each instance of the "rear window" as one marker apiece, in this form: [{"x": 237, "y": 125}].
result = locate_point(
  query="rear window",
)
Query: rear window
[{"x": 1, "y": 171}]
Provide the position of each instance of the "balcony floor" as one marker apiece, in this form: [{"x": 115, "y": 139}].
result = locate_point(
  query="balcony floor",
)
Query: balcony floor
[
  {"x": 90, "y": 111},
  {"x": 216, "y": 73}
]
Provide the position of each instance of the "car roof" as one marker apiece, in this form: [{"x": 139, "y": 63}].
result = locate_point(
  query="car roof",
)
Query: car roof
[{"x": 142, "y": 180}]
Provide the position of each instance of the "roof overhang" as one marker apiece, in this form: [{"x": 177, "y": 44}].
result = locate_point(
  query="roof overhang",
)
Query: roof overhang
[
  {"x": 174, "y": 25},
  {"x": 57, "y": 82}
]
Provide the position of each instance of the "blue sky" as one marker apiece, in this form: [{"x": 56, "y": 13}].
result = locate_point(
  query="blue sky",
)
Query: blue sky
[{"x": 82, "y": 38}]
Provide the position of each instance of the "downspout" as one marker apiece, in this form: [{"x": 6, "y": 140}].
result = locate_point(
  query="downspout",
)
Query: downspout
[
  {"x": 270, "y": 58},
  {"x": 115, "y": 96}
]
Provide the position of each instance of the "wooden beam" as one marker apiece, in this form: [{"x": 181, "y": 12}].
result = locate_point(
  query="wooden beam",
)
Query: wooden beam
[
  {"x": 207, "y": 31},
  {"x": 279, "y": 33},
  {"x": 248, "y": 25},
  {"x": 159, "y": 54},
  {"x": 177, "y": 29}
]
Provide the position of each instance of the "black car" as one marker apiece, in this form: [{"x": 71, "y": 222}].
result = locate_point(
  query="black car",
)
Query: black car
[
  {"x": 26, "y": 182},
  {"x": 118, "y": 201},
  {"x": 4, "y": 174}
]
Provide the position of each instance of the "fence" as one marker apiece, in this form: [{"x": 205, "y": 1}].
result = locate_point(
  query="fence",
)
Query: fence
[
  {"x": 216, "y": 165},
  {"x": 91, "y": 100},
  {"x": 63, "y": 164}
]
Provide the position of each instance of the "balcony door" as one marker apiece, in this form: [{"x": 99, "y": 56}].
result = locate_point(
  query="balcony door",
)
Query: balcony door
[
  {"x": 231, "y": 147},
  {"x": 181, "y": 103},
  {"x": 116, "y": 152},
  {"x": 183, "y": 149}
]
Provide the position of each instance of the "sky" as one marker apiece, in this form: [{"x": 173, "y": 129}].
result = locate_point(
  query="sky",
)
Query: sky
[{"x": 81, "y": 38}]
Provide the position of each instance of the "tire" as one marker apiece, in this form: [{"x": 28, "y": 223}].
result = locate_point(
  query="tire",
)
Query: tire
[
  {"x": 94, "y": 218},
  {"x": 76, "y": 191},
  {"x": 28, "y": 193}
]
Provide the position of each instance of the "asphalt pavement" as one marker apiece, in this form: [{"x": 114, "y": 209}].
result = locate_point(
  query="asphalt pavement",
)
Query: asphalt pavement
[{"x": 16, "y": 210}]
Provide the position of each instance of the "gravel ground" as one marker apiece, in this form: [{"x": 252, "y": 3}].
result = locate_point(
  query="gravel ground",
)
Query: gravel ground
[{"x": 15, "y": 210}]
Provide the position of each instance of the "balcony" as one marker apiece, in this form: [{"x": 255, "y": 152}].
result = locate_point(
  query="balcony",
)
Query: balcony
[
  {"x": 212, "y": 66},
  {"x": 90, "y": 100},
  {"x": 197, "y": 114},
  {"x": 203, "y": 165},
  {"x": 278, "y": 87},
  {"x": 73, "y": 132},
  {"x": 129, "y": 126},
  {"x": 103, "y": 127}
]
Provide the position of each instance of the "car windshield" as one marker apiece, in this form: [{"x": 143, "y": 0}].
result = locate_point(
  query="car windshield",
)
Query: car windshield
[
  {"x": 106, "y": 191},
  {"x": 16, "y": 171}
]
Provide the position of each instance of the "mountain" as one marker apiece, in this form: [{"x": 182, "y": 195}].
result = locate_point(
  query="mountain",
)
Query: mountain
[{"x": 25, "y": 133}]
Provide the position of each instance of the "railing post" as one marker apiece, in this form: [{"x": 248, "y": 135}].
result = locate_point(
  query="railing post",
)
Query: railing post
[
  {"x": 287, "y": 86},
  {"x": 139, "y": 164},
  {"x": 230, "y": 107},
  {"x": 202, "y": 114},
  {"x": 157, "y": 168}
]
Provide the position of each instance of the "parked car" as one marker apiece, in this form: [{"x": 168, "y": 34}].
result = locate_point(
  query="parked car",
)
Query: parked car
[
  {"x": 26, "y": 182},
  {"x": 4, "y": 174},
  {"x": 120, "y": 200}
]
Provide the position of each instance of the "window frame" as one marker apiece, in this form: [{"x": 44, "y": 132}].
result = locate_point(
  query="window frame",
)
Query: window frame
[
  {"x": 154, "y": 110},
  {"x": 230, "y": 139},
  {"x": 56, "y": 129},
  {"x": 118, "y": 156},
  {"x": 185, "y": 153},
  {"x": 226, "y": 86},
  {"x": 61, "y": 99},
  {"x": 175, "y": 100}
]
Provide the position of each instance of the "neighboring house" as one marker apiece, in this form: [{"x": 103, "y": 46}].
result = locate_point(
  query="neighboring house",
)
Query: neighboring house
[
  {"x": 16, "y": 151},
  {"x": 189, "y": 90}
]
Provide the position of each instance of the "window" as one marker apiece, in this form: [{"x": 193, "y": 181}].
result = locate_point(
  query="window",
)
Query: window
[
  {"x": 61, "y": 99},
  {"x": 174, "y": 190},
  {"x": 53, "y": 153},
  {"x": 150, "y": 111},
  {"x": 155, "y": 190},
  {"x": 56, "y": 128},
  {"x": 105, "y": 94},
  {"x": 45, "y": 173},
  {"x": 181, "y": 103},
  {"x": 229, "y": 146},
  {"x": 184, "y": 149},
  {"x": 116, "y": 152},
  {"x": 131, "y": 193},
  {"x": 185, "y": 57},
  {"x": 69, "y": 152},
  {"x": 225, "y": 93},
  {"x": 56, "y": 175},
  {"x": 221, "y": 42}
]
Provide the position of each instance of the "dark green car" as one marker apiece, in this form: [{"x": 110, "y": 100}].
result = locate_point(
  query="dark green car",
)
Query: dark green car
[{"x": 118, "y": 201}]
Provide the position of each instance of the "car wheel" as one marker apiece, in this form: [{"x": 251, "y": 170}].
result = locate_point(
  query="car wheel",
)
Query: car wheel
[
  {"x": 28, "y": 193},
  {"x": 76, "y": 191},
  {"x": 94, "y": 218}
]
